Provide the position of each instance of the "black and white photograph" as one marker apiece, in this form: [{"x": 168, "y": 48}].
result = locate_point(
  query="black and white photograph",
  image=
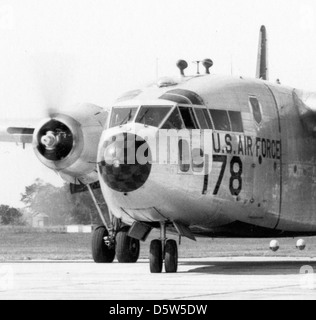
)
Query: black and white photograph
[{"x": 157, "y": 155}]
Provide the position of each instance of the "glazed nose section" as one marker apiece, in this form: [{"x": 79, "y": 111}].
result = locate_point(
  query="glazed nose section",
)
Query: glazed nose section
[{"x": 126, "y": 163}]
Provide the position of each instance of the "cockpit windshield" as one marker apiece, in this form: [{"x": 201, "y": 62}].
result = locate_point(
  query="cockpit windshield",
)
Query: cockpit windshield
[
  {"x": 121, "y": 116},
  {"x": 174, "y": 121},
  {"x": 152, "y": 115}
]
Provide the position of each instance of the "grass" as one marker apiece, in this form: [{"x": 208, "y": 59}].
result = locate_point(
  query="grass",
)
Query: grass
[
  {"x": 22, "y": 243},
  {"x": 51, "y": 244}
]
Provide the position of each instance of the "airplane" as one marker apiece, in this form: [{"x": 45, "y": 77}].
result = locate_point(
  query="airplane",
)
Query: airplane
[{"x": 252, "y": 177}]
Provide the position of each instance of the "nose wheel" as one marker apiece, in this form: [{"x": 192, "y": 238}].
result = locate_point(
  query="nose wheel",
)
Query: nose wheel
[{"x": 163, "y": 251}]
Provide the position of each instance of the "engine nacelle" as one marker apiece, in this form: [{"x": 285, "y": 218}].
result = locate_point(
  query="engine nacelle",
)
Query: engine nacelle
[{"x": 68, "y": 143}]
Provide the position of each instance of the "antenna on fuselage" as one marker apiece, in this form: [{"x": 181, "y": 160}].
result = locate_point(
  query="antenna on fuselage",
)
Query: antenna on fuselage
[
  {"x": 197, "y": 62},
  {"x": 207, "y": 64},
  {"x": 262, "y": 61}
]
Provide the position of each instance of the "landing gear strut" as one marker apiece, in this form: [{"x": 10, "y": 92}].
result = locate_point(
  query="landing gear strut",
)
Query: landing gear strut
[{"x": 163, "y": 250}]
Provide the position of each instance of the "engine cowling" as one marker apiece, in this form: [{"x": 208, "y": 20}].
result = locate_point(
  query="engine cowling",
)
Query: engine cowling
[{"x": 68, "y": 143}]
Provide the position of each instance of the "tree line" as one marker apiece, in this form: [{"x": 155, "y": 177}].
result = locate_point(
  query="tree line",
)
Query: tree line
[{"x": 57, "y": 203}]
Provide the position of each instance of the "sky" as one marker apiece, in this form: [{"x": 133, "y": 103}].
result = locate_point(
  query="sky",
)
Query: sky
[{"x": 56, "y": 52}]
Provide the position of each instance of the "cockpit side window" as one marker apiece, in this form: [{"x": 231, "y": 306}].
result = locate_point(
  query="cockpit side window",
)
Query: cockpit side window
[
  {"x": 121, "y": 116},
  {"x": 188, "y": 118},
  {"x": 221, "y": 120},
  {"x": 174, "y": 121},
  {"x": 152, "y": 115},
  {"x": 202, "y": 120},
  {"x": 208, "y": 118},
  {"x": 236, "y": 121}
]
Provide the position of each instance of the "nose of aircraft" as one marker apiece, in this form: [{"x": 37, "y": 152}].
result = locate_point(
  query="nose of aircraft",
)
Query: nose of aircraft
[{"x": 126, "y": 163}]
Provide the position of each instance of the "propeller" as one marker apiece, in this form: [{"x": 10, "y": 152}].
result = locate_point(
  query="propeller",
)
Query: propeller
[{"x": 54, "y": 75}]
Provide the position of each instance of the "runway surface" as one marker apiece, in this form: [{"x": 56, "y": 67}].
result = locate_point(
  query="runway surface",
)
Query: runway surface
[{"x": 205, "y": 279}]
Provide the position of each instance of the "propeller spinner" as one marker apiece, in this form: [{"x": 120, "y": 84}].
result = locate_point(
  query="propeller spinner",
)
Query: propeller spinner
[{"x": 55, "y": 140}]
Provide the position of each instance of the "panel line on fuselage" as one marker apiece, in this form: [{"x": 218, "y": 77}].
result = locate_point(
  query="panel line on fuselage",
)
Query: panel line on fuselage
[{"x": 281, "y": 162}]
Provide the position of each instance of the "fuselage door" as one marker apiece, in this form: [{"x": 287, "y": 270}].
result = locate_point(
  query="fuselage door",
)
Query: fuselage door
[{"x": 266, "y": 156}]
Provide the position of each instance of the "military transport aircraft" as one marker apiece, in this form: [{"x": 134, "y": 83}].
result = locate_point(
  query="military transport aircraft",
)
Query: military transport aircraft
[{"x": 256, "y": 177}]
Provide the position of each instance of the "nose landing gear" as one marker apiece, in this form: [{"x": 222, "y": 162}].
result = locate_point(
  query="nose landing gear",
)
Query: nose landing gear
[{"x": 163, "y": 250}]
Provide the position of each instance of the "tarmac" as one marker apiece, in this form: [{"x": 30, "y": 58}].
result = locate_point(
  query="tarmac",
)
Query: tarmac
[{"x": 197, "y": 279}]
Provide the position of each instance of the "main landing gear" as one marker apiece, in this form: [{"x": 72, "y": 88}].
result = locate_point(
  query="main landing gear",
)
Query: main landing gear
[
  {"x": 163, "y": 250},
  {"x": 112, "y": 239},
  {"x": 102, "y": 252},
  {"x": 127, "y": 248}
]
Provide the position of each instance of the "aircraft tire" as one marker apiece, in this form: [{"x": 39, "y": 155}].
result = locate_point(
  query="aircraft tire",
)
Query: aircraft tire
[
  {"x": 155, "y": 256},
  {"x": 127, "y": 248},
  {"x": 100, "y": 252},
  {"x": 171, "y": 256}
]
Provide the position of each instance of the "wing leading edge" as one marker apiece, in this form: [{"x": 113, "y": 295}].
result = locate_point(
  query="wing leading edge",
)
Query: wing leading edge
[{"x": 22, "y": 135}]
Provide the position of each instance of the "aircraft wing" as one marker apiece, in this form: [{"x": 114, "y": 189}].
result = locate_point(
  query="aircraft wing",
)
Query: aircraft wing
[
  {"x": 16, "y": 134},
  {"x": 17, "y": 131}
]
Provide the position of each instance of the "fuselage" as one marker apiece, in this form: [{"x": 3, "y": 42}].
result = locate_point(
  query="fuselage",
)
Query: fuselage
[{"x": 260, "y": 180}]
